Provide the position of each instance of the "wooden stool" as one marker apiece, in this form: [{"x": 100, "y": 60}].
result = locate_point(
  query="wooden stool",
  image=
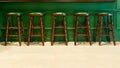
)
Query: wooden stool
[
  {"x": 10, "y": 27},
  {"x": 31, "y": 27},
  {"x": 54, "y": 26},
  {"x": 109, "y": 27},
  {"x": 87, "y": 26}
]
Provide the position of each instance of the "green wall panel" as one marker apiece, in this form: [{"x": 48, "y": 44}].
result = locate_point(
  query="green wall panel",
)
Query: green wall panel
[
  {"x": 118, "y": 20},
  {"x": 49, "y": 8},
  {"x": 118, "y": 4}
]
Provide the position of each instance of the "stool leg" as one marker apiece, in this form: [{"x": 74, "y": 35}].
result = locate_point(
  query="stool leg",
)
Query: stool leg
[
  {"x": 11, "y": 29},
  {"x": 112, "y": 30},
  {"x": 21, "y": 22},
  {"x": 97, "y": 28},
  {"x": 32, "y": 25},
  {"x": 88, "y": 30},
  {"x": 76, "y": 31},
  {"x": 29, "y": 33},
  {"x": 6, "y": 38},
  {"x": 100, "y": 37},
  {"x": 65, "y": 31},
  {"x": 19, "y": 35},
  {"x": 108, "y": 28},
  {"x": 53, "y": 29},
  {"x": 42, "y": 31}
]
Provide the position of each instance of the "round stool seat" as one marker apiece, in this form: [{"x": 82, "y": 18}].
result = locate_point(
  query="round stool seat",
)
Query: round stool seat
[
  {"x": 59, "y": 14},
  {"x": 36, "y": 14},
  {"x": 82, "y": 13},
  {"x": 104, "y": 13},
  {"x": 14, "y": 14}
]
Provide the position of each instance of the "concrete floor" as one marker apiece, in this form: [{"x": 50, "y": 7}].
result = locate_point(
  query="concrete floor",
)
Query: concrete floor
[{"x": 60, "y": 56}]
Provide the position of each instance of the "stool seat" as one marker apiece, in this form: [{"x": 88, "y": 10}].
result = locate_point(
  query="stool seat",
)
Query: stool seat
[
  {"x": 104, "y": 13},
  {"x": 36, "y": 14},
  {"x": 59, "y": 14},
  {"x": 82, "y": 13},
  {"x": 15, "y": 14}
]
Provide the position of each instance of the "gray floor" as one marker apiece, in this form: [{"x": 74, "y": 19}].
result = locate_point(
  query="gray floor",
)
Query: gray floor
[{"x": 60, "y": 56}]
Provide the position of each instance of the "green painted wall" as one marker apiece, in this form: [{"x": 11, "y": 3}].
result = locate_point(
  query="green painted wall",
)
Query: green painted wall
[{"x": 69, "y": 8}]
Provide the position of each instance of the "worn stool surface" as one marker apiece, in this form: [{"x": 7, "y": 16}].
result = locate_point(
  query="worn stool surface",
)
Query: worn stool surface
[
  {"x": 36, "y": 14},
  {"x": 82, "y": 13},
  {"x": 14, "y": 14}
]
